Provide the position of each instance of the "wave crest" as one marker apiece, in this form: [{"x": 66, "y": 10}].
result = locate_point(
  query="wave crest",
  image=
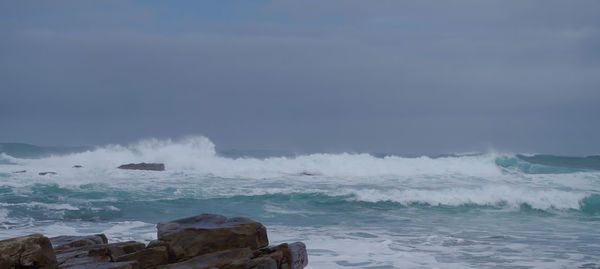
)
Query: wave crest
[
  {"x": 504, "y": 196},
  {"x": 198, "y": 154}
]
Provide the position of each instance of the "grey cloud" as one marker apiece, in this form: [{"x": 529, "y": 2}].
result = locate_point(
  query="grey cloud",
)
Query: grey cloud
[{"x": 400, "y": 76}]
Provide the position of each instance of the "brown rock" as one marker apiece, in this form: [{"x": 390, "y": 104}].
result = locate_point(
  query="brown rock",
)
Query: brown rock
[
  {"x": 123, "y": 248},
  {"x": 144, "y": 166},
  {"x": 231, "y": 259},
  {"x": 112, "y": 250},
  {"x": 66, "y": 241},
  {"x": 263, "y": 263},
  {"x": 63, "y": 257},
  {"x": 208, "y": 233},
  {"x": 84, "y": 261},
  {"x": 298, "y": 255},
  {"x": 291, "y": 256},
  {"x": 147, "y": 257},
  {"x": 108, "y": 265},
  {"x": 34, "y": 251}
]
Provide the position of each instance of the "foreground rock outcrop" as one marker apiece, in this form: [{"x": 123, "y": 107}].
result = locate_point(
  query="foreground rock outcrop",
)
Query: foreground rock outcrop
[
  {"x": 32, "y": 251},
  {"x": 144, "y": 166},
  {"x": 200, "y": 242}
]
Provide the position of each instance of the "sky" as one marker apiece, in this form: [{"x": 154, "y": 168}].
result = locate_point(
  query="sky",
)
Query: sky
[{"x": 408, "y": 77}]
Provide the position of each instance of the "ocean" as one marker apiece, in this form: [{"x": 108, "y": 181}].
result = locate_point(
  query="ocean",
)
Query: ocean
[{"x": 353, "y": 210}]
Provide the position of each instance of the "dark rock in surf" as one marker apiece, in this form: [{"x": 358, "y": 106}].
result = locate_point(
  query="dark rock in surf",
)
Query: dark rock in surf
[
  {"x": 107, "y": 265},
  {"x": 201, "y": 242},
  {"x": 87, "y": 261},
  {"x": 309, "y": 173},
  {"x": 230, "y": 258},
  {"x": 148, "y": 257},
  {"x": 144, "y": 166},
  {"x": 47, "y": 173},
  {"x": 31, "y": 251},
  {"x": 124, "y": 248},
  {"x": 67, "y": 241},
  {"x": 292, "y": 256},
  {"x": 208, "y": 233}
]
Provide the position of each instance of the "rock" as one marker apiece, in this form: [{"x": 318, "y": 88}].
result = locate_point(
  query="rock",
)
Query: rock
[
  {"x": 309, "y": 173},
  {"x": 21, "y": 171},
  {"x": 207, "y": 241},
  {"x": 122, "y": 248},
  {"x": 77, "y": 166},
  {"x": 298, "y": 256},
  {"x": 63, "y": 257},
  {"x": 290, "y": 256},
  {"x": 208, "y": 233},
  {"x": 144, "y": 166},
  {"x": 147, "y": 257},
  {"x": 112, "y": 251},
  {"x": 108, "y": 265},
  {"x": 263, "y": 263},
  {"x": 32, "y": 251},
  {"x": 66, "y": 241},
  {"x": 84, "y": 261},
  {"x": 47, "y": 173},
  {"x": 231, "y": 259}
]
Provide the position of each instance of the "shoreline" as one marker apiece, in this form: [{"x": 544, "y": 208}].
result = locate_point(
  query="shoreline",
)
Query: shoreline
[{"x": 204, "y": 241}]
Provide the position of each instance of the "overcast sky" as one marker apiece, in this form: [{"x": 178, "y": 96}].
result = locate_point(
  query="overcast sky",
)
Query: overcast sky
[{"x": 337, "y": 75}]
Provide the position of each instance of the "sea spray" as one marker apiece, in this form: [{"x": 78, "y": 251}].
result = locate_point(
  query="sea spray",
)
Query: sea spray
[{"x": 352, "y": 209}]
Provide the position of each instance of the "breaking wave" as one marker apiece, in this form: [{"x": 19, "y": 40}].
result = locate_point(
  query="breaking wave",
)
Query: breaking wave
[{"x": 199, "y": 154}]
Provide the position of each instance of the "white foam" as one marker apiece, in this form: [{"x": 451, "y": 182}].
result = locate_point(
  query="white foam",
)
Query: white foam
[
  {"x": 43, "y": 205},
  {"x": 487, "y": 195},
  {"x": 131, "y": 230},
  {"x": 198, "y": 154}
]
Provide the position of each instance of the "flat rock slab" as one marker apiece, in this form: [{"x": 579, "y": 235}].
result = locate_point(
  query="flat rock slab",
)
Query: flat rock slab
[
  {"x": 231, "y": 259},
  {"x": 109, "y": 265},
  {"x": 123, "y": 248},
  {"x": 32, "y": 251},
  {"x": 147, "y": 257},
  {"x": 83, "y": 261},
  {"x": 144, "y": 166},
  {"x": 68, "y": 241},
  {"x": 190, "y": 237},
  {"x": 112, "y": 250}
]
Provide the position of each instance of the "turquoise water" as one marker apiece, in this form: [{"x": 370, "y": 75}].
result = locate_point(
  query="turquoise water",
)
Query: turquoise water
[{"x": 352, "y": 210}]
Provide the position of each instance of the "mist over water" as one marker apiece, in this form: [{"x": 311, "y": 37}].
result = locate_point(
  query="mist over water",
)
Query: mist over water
[{"x": 352, "y": 209}]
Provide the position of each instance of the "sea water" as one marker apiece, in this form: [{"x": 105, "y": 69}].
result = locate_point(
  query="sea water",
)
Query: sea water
[{"x": 353, "y": 210}]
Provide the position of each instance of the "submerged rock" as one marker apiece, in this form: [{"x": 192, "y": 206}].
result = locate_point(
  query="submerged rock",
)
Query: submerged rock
[
  {"x": 208, "y": 233},
  {"x": 31, "y": 251},
  {"x": 77, "y": 166},
  {"x": 47, "y": 173},
  {"x": 21, "y": 171},
  {"x": 144, "y": 166},
  {"x": 309, "y": 173}
]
